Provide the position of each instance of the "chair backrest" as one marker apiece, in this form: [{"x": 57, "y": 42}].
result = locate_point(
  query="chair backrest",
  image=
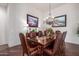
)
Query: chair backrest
[
  {"x": 29, "y": 41},
  {"x": 57, "y": 43},
  {"x": 63, "y": 39},
  {"x": 23, "y": 42},
  {"x": 64, "y": 35},
  {"x": 62, "y": 44},
  {"x": 40, "y": 33},
  {"x": 32, "y": 34},
  {"x": 57, "y": 32}
]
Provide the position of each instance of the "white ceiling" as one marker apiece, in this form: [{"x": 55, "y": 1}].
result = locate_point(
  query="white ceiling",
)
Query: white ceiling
[{"x": 44, "y": 7}]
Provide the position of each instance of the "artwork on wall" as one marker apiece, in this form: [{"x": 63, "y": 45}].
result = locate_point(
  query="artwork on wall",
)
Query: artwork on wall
[
  {"x": 32, "y": 21},
  {"x": 59, "y": 21}
]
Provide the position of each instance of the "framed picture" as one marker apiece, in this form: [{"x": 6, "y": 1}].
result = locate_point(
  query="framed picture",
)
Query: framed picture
[
  {"x": 59, "y": 21},
  {"x": 32, "y": 21}
]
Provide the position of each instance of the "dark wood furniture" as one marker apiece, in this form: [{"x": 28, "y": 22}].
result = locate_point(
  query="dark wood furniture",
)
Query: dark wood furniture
[
  {"x": 58, "y": 32},
  {"x": 31, "y": 41},
  {"x": 55, "y": 50},
  {"x": 23, "y": 43},
  {"x": 58, "y": 48},
  {"x": 38, "y": 44},
  {"x": 32, "y": 36},
  {"x": 40, "y": 33},
  {"x": 33, "y": 48},
  {"x": 43, "y": 42},
  {"x": 50, "y": 46},
  {"x": 62, "y": 44},
  {"x": 26, "y": 48}
]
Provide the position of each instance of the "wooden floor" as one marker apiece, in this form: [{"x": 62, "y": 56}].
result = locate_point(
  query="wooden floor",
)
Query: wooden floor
[{"x": 70, "y": 50}]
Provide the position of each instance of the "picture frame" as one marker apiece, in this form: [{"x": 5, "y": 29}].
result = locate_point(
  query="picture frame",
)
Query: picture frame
[
  {"x": 32, "y": 21},
  {"x": 59, "y": 21}
]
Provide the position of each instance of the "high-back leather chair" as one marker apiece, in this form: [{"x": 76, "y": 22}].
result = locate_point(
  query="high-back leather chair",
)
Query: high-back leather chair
[
  {"x": 58, "y": 32},
  {"x": 23, "y": 43},
  {"x": 55, "y": 50},
  {"x": 64, "y": 35},
  {"x": 26, "y": 48},
  {"x": 32, "y": 34},
  {"x": 62, "y": 44},
  {"x": 33, "y": 46},
  {"x": 40, "y": 33}
]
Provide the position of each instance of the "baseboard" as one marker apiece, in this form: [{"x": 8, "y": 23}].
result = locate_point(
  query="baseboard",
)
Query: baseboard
[
  {"x": 4, "y": 46},
  {"x": 15, "y": 46},
  {"x": 12, "y": 45},
  {"x": 72, "y": 43}
]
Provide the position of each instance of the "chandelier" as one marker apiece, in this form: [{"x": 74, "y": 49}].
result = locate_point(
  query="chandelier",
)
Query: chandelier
[{"x": 50, "y": 19}]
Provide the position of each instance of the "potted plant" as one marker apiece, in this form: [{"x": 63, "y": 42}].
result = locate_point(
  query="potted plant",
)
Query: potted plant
[
  {"x": 34, "y": 30},
  {"x": 50, "y": 31}
]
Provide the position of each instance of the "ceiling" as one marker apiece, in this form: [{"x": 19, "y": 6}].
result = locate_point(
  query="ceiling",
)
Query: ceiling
[{"x": 44, "y": 7}]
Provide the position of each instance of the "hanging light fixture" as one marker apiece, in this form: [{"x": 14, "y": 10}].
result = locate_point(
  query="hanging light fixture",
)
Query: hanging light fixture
[{"x": 49, "y": 20}]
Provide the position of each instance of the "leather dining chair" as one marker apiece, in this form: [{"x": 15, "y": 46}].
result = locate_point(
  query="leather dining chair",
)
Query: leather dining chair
[
  {"x": 51, "y": 45},
  {"x": 32, "y": 38},
  {"x": 55, "y": 50},
  {"x": 57, "y": 31},
  {"x": 33, "y": 46},
  {"x": 26, "y": 49},
  {"x": 40, "y": 33},
  {"x": 62, "y": 44},
  {"x": 64, "y": 36},
  {"x": 23, "y": 43},
  {"x": 32, "y": 34}
]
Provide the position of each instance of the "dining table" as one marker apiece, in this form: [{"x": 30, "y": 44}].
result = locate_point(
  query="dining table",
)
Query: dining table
[{"x": 43, "y": 41}]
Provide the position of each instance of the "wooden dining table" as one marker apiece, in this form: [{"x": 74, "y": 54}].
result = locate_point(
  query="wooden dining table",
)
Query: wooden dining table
[{"x": 43, "y": 41}]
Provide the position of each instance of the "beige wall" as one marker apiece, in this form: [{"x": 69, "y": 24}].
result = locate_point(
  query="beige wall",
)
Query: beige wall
[
  {"x": 72, "y": 12},
  {"x": 3, "y": 18},
  {"x": 17, "y": 21}
]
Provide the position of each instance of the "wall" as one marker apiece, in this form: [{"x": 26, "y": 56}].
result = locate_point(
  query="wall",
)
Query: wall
[
  {"x": 17, "y": 21},
  {"x": 3, "y": 18},
  {"x": 72, "y": 12}
]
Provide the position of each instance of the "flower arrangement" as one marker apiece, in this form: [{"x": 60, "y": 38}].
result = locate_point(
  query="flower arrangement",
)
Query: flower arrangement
[
  {"x": 50, "y": 31},
  {"x": 34, "y": 30}
]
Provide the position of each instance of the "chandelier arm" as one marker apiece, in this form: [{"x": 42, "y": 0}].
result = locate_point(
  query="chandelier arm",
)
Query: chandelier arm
[
  {"x": 49, "y": 9},
  {"x": 50, "y": 19}
]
